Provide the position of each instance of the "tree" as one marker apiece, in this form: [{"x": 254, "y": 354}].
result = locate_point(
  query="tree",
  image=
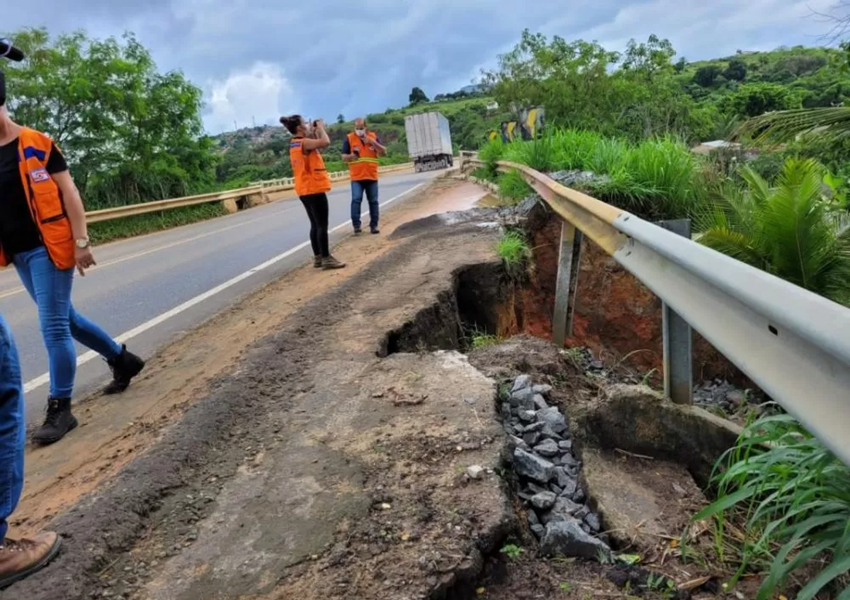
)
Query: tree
[
  {"x": 417, "y": 96},
  {"x": 130, "y": 133},
  {"x": 569, "y": 78},
  {"x": 736, "y": 70},
  {"x": 705, "y": 76},
  {"x": 649, "y": 59},
  {"x": 792, "y": 229},
  {"x": 755, "y": 99},
  {"x": 680, "y": 65},
  {"x": 340, "y": 118}
]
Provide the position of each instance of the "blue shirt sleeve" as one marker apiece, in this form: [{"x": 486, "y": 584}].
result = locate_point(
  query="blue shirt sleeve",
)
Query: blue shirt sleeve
[{"x": 346, "y": 146}]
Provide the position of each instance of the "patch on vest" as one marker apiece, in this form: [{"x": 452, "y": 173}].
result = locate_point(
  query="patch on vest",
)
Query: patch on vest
[{"x": 40, "y": 175}]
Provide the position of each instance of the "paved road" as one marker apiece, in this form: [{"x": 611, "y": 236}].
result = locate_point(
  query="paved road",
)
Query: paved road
[{"x": 153, "y": 287}]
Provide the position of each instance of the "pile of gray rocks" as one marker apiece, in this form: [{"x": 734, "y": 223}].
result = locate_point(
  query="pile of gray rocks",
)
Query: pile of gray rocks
[
  {"x": 719, "y": 393},
  {"x": 543, "y": 458}
]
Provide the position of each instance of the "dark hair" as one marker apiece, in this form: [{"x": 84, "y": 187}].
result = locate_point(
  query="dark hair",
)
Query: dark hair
[{"x": 292, "y": 123}]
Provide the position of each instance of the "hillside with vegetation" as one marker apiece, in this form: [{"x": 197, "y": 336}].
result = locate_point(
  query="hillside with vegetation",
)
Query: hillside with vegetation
[{"x": 258, "y": 153}]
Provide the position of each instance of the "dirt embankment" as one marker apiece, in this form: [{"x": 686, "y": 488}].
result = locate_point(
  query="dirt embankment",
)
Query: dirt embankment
[{"x": 616, "y": 316}]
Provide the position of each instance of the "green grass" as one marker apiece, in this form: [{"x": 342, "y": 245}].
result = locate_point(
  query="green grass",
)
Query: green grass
[
  {"x": 108, "y": 231},
  {"x": 512, "y": 551},
  {"x": 512, "y": 187},
  {"x": 481, "y": 339},
  {"x": 655, "y": 179},
  {"x": 514, "y": 251},
  {"x": 485, "y": 174},
  {"x": 794, "y": 497},
  {"x": 492, "y": 151}
]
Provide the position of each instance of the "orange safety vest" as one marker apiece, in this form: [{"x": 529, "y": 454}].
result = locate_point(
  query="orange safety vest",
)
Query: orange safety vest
[
  {"x": 45, "y": 200},
  {"x": 364, "y": 168},
  {"x": 308, "y": 169}
]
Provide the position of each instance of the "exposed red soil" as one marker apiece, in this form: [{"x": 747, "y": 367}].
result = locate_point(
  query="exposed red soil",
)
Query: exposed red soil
[{"x": 616, "y": 316}]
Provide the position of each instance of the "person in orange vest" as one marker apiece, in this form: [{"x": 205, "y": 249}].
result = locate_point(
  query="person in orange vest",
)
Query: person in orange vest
[
  {"x": 18, "y": 557},
  {"x": 361, "y": 150},
  {"x": 43, "y": 233},
  {"x": 312, "y": 183}
]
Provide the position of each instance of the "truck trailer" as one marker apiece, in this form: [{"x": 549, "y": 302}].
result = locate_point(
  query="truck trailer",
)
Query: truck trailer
[{"x": 429, "y": 141}]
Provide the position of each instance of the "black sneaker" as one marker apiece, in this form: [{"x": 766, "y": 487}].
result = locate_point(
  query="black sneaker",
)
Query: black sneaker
[
  {"x": 317, "y": 262},
  {"x": 124, "y": 367},
  {"x": 375, "y": 231},
  {"x": 357, "y": 231},
  {"x": 58, "y": 422}
]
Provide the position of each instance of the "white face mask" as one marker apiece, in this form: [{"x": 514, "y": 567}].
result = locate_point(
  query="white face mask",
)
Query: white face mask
[{"x": 360, "y": 132}]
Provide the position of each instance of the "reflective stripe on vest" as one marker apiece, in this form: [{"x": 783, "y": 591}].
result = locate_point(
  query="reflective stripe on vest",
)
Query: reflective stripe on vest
[
  {"x": 47, "y": 207},
  {"x": 365, "y": 168}
]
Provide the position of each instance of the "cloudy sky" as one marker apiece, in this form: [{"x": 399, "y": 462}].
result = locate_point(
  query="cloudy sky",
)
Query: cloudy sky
[{"x": 258, "y": 59}]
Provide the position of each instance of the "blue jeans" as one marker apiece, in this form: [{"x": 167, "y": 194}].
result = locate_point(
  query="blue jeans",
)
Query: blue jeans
[
  {"x": 12, "y": 428},
  {"x": 371, "y": 189},
  {"x": 60, "y": 323}
]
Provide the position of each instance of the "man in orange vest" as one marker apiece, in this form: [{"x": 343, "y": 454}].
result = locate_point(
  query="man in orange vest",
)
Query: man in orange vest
[{"x": 361, "y": 150}]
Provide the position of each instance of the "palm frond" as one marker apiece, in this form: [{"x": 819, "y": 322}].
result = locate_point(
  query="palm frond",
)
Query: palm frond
[
  {"x": 790, "y": 229},
  {"x": 785, "y": 125},
  {"x": 733, "y": 243}
]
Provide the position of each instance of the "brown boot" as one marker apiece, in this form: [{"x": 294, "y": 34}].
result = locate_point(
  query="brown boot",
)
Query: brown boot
[
  {"x": 21, "y": 558},
  {"x": 330, "y": 262}
]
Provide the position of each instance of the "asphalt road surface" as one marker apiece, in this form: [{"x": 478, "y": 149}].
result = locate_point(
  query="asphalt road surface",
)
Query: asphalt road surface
[{"x": 147, "y": 289}]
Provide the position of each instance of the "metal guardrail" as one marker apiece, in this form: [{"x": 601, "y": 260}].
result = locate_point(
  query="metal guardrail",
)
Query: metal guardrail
[
  {"x": 130, "y": 210},
  {"x": 288, "y": 182},
  {"x": 793, "y": 343},
  {"x": 259, "y": 188}
]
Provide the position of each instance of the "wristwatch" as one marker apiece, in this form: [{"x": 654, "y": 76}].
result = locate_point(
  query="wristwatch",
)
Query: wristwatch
[{"x": 83, "y": 243}]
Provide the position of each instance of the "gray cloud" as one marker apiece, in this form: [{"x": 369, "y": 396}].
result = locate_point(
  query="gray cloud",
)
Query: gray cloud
[{"x": 257, "y": 59}]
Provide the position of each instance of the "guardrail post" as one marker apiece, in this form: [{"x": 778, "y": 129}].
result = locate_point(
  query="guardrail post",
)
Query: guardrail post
[
  {"x": 569, "y": 255},
  {"x": 678, "y": 353}
]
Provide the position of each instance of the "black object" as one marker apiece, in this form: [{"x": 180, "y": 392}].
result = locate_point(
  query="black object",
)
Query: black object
[
  {"x": 124, "y": 367},
  {"x": 7, "y": 50},
  {"x": 57, "y": 423}
]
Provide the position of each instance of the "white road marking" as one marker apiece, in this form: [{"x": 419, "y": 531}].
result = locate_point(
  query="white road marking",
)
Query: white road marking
[
  {"x": 20, "y": 289},
  {"x": 127, "y": 335}
]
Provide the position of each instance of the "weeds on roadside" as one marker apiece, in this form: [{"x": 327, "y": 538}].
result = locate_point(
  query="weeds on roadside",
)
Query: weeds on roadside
[
  {"x": 514, "y": 251},
  {"x": 485, "y": 174},
  {"x": 513, "y": 187},
  {"x": 794, "y": 497},
  {"x": 492, "y": 152},
  {"x": 655, "y": 179}
]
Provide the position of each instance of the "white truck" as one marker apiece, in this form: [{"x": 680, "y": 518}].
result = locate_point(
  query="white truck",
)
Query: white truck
[{"x": 429, "y": 141}]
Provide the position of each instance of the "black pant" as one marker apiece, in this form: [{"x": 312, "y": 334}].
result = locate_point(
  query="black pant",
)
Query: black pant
[{"x": 317, "y": 210}]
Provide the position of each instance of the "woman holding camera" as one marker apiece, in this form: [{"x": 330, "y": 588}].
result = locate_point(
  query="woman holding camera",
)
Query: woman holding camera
[{"x": 312, "y": 183}]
